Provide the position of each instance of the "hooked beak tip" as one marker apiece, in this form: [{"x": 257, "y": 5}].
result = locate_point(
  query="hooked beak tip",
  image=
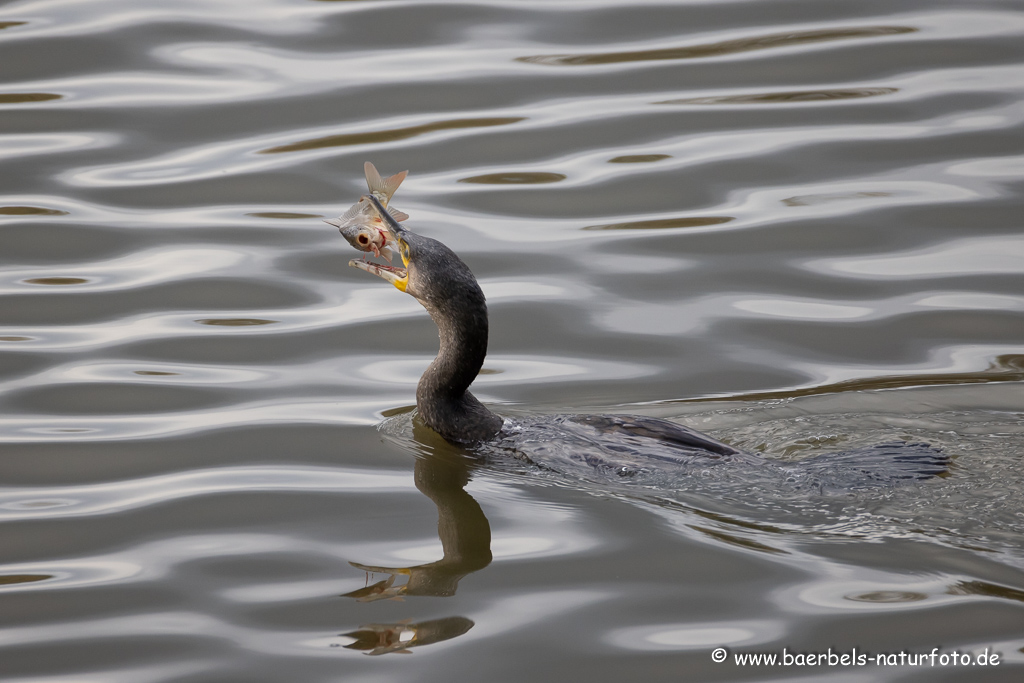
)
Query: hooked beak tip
[{"x": 399, "y": 277}]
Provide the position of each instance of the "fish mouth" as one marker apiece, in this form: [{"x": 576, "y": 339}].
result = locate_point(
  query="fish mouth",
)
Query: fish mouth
[{"x": 399, "y": 277}]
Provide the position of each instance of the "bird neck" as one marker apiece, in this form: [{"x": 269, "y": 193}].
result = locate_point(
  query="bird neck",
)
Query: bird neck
[{"x": 442, "y": 396}]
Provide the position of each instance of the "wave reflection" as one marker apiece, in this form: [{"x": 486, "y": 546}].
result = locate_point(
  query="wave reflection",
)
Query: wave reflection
[{"x": 722, "y": 48}]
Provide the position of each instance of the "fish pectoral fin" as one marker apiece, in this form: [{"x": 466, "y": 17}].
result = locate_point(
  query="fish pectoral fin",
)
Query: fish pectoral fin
[
  {"x": 398, "y": 215},
  {"x": 333, "y": 221},
  {"x": 353, "y": 211}
]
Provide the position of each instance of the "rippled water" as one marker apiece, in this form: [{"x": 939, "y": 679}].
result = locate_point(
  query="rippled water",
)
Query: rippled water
[{"x": 793, "y": 225}]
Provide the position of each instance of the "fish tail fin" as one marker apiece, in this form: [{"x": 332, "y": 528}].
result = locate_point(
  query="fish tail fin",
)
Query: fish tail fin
[{"x": 382, "y": 186}]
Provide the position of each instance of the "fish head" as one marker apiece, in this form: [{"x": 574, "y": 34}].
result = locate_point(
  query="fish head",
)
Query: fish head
[{"x": 365, "y": 230}]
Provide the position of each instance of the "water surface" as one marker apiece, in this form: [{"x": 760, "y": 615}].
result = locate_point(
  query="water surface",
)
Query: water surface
[{"x": 793, "y": 225}]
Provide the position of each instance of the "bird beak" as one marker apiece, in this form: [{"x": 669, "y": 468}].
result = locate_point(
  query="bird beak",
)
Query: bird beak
[
  {"x": 389, "y": 220},
  {"x": 399, "y": 277}
]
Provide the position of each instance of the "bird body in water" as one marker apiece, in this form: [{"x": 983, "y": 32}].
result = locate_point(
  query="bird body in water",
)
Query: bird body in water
[{"x": 617, "y": 444}]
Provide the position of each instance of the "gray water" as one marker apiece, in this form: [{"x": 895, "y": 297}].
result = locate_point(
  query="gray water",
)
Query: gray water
[{"x": 794, "y": 225}]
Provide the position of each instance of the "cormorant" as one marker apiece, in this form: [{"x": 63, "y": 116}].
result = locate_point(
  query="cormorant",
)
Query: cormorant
[{"x": 616, "y": 444}]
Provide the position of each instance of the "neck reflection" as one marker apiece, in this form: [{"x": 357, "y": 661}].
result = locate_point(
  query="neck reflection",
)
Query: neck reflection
[{"x": 441, "y": 474}]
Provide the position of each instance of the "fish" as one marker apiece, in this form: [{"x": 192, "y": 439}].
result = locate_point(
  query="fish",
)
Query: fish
[
  {"x": 365, "y": 230},
  {"x": 382, "y": 639},
  {"x": 382, "y": 188},
  {"x": 361, "y": 225},
  {"x": 382, "y": 590}
]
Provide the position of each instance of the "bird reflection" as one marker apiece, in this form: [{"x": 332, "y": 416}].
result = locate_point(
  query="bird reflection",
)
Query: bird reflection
[
  {"x": 397, "y": 638},
  {"x": 382, "y": 590},
  {"x": 441, "y": 474}
]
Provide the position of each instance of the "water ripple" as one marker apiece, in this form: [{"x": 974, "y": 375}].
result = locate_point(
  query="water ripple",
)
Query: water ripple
[
  {"x": 794, "y": 226},
  {"x": 979, "y": 255},
  {"x": 127, "y": 426},
  {"x": 723, "y": 48},
  {"x": 787, "y": 97},
  {"x": 127, "y": 272},
  {"x": 114, "y": 497},
  {"x": 388, "y": 135}
]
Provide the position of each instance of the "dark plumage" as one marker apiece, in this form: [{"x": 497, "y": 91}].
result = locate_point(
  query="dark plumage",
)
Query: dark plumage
[
  {"x": 625, "y": 446},
  {"x": 440, "y": 281}
]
